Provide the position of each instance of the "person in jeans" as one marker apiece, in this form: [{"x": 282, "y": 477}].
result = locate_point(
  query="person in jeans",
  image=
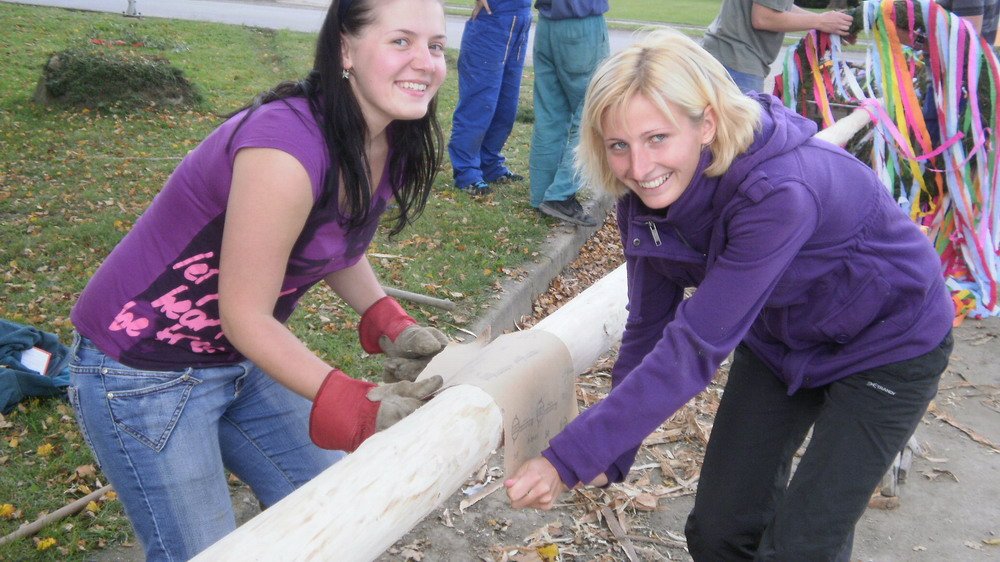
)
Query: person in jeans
[
  {"x": 747, "y": 35},
  {"x": 570, "y": 41},
  {"x": 490, "y": 64},
  {"x": 183, "y": 366},
  {"x": 831, "y": 298}
]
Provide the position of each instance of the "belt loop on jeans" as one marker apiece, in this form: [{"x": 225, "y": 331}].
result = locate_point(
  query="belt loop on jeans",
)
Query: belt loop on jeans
[{"x": 77, "y": 338}]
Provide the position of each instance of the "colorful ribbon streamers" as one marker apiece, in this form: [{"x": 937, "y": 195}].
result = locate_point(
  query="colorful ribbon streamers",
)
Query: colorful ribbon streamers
[{"x": 942, "y": 166}]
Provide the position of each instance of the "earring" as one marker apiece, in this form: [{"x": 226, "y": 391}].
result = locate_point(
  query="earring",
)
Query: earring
[{"x": 345, "y": 74}]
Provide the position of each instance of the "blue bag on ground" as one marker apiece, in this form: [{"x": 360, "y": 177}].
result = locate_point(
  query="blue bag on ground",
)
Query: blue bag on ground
[{"x": 18, "y": 382}]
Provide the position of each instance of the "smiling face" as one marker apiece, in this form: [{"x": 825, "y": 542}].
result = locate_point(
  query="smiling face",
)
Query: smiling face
[
  {"x": 651, "y": 155},
  {"x": 397, "y": 63}
]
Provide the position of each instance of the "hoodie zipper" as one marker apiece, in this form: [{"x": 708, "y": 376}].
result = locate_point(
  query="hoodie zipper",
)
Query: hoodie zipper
[{"x": 655, "y": 233}]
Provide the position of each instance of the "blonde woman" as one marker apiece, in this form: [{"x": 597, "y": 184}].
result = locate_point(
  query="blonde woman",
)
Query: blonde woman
[{"x": 805, "y": 267}]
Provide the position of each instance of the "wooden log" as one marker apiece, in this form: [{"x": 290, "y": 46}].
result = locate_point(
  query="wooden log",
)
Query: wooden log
[
  {"x": 360, "y": 506},
  {"x": 841, "y": 132},
  {"x": 592, "y": 322}
]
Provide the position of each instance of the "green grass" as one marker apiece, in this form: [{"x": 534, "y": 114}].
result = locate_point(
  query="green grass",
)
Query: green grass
[
  {"x": 698, "y": 13},
  {"x": 72, "y": 182}
]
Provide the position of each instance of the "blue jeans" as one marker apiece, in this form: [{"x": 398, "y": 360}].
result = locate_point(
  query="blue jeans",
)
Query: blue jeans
[
  {"x": 165, "y": 438},
  {"x": 746, "y": 82},
  {"x": 490, "y": 64},
  {"x": 566, "y": 53}
]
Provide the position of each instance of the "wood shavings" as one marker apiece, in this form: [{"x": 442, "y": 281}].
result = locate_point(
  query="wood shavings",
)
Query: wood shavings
[
  {"x": 446, "y": 519},
  {"x": 946, "y": 418},
  {"x": 474, "y": 498},
  {"x": 617, "y": 528},
  {"x": 412, "y": 552},
  {"x": 934, "y": 473}
]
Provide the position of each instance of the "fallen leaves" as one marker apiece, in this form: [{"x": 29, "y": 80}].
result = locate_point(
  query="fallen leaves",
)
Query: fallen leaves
[
  {"x": 85, "y": 472},
  {"x": 933, "y": 473},
  {"x": 548, "y": 552},
  {"x": 413, "y": 551},
  {"x": 8, "y": 511},
  {"x": 44, "y": 544},
  {"x": 946, "y": 418}
]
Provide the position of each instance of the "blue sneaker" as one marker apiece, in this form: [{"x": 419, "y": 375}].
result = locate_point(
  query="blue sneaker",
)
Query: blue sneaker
[
  {"x": 478, "y": 189},
  {"x": 509, "y": 177}
]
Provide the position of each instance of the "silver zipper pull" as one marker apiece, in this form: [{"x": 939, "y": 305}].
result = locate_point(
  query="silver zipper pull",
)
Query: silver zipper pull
[{"x": 654, "y": 232}]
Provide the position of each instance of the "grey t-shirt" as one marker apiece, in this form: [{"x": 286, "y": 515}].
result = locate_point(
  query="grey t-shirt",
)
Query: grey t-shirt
[
  {"x": 732, "y": 39},
  {"x": 989, "y": 9}
]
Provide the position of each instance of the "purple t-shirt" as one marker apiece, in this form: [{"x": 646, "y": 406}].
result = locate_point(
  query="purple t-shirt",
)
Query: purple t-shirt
[{"x": 153, "y": 304}]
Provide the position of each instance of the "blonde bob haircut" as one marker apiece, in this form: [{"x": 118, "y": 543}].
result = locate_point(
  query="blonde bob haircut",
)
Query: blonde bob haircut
[{"x": 664, "y": 66}]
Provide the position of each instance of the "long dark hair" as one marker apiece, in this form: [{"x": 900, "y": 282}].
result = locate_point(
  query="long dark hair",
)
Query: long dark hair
[{"x": 414, "y": 146}]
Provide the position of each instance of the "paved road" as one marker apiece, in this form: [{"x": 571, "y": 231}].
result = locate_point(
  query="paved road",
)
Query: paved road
[{"x": 298, "y": 15}]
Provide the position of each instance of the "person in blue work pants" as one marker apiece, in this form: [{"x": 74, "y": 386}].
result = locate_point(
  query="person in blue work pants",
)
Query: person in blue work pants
[
  {"x": 570, "y": 41},
  {"x": 490, "y": 63}
]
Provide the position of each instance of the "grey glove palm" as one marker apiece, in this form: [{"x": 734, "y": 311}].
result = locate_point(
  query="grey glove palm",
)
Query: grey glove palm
[
  {"x": 409, "y": 354},
  {"x": 399, "y": 399}
]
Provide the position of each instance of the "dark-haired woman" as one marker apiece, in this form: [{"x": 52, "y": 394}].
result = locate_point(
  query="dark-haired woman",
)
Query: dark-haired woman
[{"x": 183, "y": 365}]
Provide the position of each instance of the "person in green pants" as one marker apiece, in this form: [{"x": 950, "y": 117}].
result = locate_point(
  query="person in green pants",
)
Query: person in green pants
[{"x": 571, "y": 39}]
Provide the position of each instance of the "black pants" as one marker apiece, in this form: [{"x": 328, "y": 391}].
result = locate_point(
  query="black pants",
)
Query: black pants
[{"x": 746, "y": 507}]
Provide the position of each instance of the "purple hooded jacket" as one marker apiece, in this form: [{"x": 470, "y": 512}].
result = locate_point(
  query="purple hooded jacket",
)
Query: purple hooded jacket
[{"x": 798, "y": 251}]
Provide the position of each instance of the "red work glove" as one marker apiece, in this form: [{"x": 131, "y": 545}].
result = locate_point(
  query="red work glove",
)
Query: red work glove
[
  {"x": 386, "y": 327},
  {"x": 384, "y": 318},
  {"x": 347, "y": 411},
  {"x": 342, "y": 415}
]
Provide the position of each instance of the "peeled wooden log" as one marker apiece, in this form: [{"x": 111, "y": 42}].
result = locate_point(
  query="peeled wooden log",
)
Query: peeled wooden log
[
  {"x": 360, "y": 506},
  {"x": 843, "y": 130},
  {"x": 592, "y": 322}
]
